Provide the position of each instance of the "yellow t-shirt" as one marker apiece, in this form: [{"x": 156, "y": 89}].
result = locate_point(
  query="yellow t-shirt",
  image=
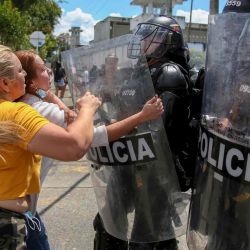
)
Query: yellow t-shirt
[{"x": 20, "y": 169}]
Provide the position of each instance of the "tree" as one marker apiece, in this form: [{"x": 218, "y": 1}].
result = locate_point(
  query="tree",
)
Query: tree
[
  {"x": 50, "y": 45},
  {"x": 14, "y": 26},
  {"x": 197, "y": 58},
  {"x": 44, "y": 15},
  {"x": 63, "y": 41},
  {"x": 17, "y": 16},
  {"x": 24, "y": 5}
]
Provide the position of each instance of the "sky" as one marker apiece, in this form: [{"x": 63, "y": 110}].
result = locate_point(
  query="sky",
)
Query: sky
[{"x": 86, "y": 13}]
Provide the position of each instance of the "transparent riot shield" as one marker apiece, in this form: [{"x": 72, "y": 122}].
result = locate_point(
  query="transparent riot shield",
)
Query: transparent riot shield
[
  {"x": 134, "y": 178},
  {"x": 220, "y": 205}
]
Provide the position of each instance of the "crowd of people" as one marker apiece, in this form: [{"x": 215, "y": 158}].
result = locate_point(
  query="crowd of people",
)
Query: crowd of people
[{"x": 37, "y": 127}]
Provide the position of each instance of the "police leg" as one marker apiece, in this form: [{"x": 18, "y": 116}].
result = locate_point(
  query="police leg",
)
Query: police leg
[
  {"x": 141, "y": 246},
  {"x": 103, "y": 240},
  {"x": 167, "y": 245}
]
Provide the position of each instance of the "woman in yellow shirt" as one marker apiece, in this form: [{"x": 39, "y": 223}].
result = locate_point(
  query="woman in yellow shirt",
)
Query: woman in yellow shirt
[{"x": 20, "y": 162}]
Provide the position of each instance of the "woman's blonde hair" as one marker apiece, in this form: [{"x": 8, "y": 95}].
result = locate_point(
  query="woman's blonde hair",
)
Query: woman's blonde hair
[
  {"x": 6, "y": 62},
  {"x": 10, "y": 133}
]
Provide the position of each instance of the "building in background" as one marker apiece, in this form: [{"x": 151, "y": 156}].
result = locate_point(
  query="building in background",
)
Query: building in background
[
  {"x": 111, "y": 27},
  {"x": 75, "y": 37},
  {"x": 70, "y": 40},
  {"x": 196, "y": 36},
  {"x": 151, "y": 8}
]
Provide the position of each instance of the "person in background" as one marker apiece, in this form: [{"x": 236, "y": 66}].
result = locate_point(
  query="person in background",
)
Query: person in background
[
  {"x": 20, "y": 162},
  {"x": 59, "y": 80},
  {"x": 93, "y": 73}
]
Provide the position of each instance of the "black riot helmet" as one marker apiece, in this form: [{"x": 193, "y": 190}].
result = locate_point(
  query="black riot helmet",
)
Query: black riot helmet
[
  {"x": 239, "y": 6},
  {"x": 156, "y": 38}
]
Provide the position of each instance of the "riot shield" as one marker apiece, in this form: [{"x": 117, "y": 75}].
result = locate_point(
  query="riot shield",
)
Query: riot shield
[
  {"x": 220, "y": 208},
  {"x": 134, "y": 178}
]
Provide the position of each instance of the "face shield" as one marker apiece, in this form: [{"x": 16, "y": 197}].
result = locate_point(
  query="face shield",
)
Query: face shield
[{"x": 150, "y": 40}]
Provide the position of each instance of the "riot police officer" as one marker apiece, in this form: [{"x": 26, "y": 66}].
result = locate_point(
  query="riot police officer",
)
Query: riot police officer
[
  {"x": 161, "y": 40},
  {"x": 219, "y": 209}
]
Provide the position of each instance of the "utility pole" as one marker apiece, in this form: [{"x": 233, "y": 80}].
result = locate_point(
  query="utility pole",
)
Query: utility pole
[
  {"x": 190, "y": 20},
  {"x": 214, "y": 7},
  {"x": 169, "y": 7}
]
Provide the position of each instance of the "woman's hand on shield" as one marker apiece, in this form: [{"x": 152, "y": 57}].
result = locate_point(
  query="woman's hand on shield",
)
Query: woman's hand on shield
[
  {"x": 152, "y": 109},
  {"x": 88, "y": 102}
]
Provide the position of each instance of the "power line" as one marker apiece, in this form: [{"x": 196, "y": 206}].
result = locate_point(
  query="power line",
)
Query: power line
[
  {"x": 102, "y": 6},
  {"x": 91, "y": 5}
]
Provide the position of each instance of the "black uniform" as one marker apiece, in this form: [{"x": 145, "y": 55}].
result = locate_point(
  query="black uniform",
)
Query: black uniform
[
  {"x": 171, "y": 83},
  {"x": 173, "y": 86}
]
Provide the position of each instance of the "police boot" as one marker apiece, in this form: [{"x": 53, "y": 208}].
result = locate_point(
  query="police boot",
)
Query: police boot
[
  {"x": 167, "y": 245},
  {"x": 103, "y": 240}
]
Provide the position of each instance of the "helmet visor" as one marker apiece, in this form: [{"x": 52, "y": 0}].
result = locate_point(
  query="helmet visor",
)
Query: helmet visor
[{"x": 151, "y": 40}]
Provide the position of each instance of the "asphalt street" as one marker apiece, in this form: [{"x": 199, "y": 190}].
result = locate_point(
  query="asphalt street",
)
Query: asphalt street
[{"x": 67, "y": 205}]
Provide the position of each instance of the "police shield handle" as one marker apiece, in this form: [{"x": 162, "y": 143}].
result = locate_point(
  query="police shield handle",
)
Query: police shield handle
[
  {"x": 152, "y": 109},
  {"x": 88, "y": 102}
]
